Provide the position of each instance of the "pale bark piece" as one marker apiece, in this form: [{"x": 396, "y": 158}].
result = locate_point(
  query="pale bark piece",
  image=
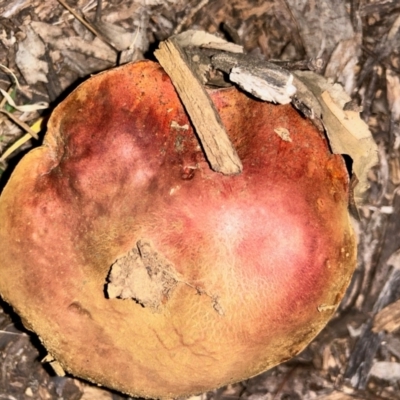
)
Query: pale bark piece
[
  {"x": 264, "y": 80},
  {"x": 218, "y": 149},
  {"x": 261, "y": 88}
]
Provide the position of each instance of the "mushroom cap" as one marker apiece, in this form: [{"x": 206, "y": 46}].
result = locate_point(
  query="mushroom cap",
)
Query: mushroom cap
[{"x": 141, "y": 269}]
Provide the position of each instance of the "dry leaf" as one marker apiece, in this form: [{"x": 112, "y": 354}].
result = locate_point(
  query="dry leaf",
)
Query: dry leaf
[
  {"x": 54, "y": 36},
  {"x": 342, "y": 64},
  {"x": 28, "y": 58},
  {"x": 346, "y": 131},
  {"x": 322, "y": 24},
  {"x": 47, "y": 32},
  {"x": 97, "y": 48}
]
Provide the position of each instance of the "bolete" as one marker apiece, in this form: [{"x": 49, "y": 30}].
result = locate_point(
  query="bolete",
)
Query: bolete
[{"x": 143, "y": 270}]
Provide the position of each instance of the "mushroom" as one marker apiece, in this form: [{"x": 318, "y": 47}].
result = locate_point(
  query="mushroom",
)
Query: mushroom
[{"x": 143, "y": 270}]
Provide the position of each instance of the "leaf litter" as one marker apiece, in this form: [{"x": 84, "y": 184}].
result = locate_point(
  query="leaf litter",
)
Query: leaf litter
[{"x": 356, "y": 43}]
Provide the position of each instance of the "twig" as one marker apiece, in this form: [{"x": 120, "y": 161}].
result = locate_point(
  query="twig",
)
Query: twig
[
  {"x": 87, "y": 25},
  {"x": 97, "y": 17},
  {"x": 218, "y": 149}
]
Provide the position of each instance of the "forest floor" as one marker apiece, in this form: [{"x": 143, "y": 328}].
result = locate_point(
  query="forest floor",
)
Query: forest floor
[{"x": 49, "y": 51}]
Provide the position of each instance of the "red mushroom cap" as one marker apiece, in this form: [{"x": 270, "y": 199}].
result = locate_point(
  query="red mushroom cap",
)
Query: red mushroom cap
[{"x": 214, "y": 278}]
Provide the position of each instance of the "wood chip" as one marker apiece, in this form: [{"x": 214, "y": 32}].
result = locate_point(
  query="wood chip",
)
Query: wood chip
[
  {"x": 216, "y": 144},
  {"x": 388, "y": 319}
]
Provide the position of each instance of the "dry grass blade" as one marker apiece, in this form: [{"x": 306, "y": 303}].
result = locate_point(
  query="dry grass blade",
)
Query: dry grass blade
[
  {"x": 8, "y": 71},
  {"x": 26, "y": 107},
  {"x": 16, "y": 145},
  {"x": 21, "y": 124},
  {"x": 32, "y": 132}
]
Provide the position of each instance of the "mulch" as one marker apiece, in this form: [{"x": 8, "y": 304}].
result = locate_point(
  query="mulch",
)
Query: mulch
[{"x": 49, "y": 51}]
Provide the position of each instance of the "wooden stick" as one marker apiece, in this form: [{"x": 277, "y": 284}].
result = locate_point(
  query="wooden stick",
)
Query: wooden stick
[{"x": 208, "y": 125}]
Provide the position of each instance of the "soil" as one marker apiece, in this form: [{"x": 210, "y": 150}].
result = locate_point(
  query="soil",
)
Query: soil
[{"x": 46, "y": 46}]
